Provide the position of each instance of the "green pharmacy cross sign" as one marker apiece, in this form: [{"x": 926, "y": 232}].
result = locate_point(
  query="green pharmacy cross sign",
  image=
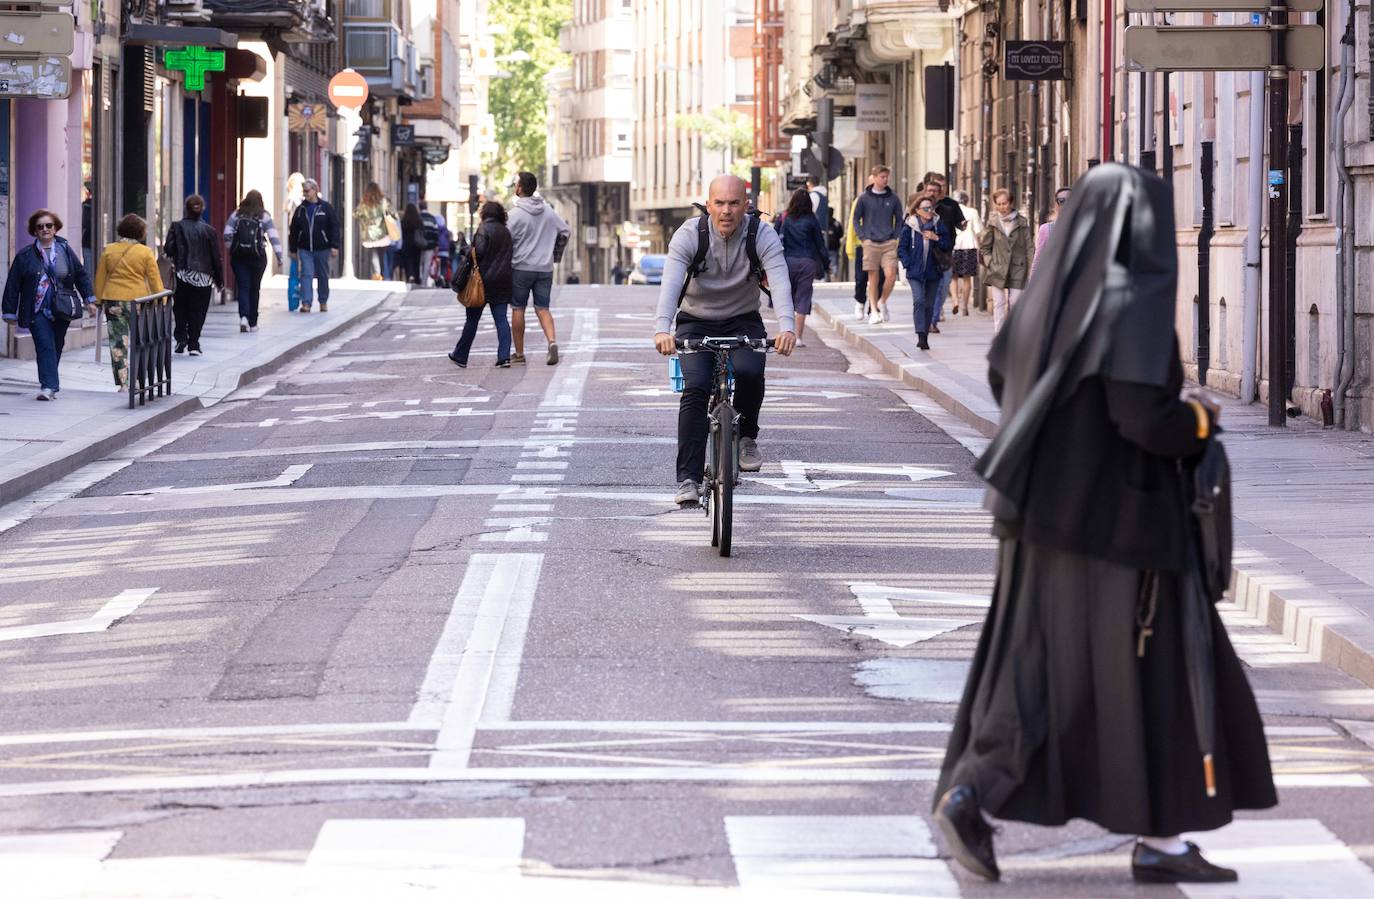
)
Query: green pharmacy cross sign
[{"x": 195, "y": 62}]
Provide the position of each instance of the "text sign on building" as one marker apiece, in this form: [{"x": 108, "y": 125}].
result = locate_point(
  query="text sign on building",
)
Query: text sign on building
[
  {"x": 40, "y": 78},
  {"x": 873, "y": 106},
  {"x": 403, "y": 136},
  {"x": 1221, "y": 48},
  {"x": 1036, "y": 61},
  {"x": 50, "y": 33},
  {"x": 306, "y": 117}
]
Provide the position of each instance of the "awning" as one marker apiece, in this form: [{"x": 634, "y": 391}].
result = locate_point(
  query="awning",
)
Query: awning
[{"x": 139, "y": 34}]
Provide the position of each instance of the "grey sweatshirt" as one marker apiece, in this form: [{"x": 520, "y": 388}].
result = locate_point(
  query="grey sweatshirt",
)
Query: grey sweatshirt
[
  {"x": 878, "y": 216},
  {"x": 726, "y": 288},
  {"x": 534, "y": 227}
]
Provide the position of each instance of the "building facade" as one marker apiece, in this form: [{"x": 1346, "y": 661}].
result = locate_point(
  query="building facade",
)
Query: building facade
[{"x": 590, "y": 156}]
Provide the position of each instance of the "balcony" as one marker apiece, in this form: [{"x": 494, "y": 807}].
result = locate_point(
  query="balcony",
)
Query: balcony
[
  {"x": 382, "y": 55},
  {"x": 292, "y": 21}
]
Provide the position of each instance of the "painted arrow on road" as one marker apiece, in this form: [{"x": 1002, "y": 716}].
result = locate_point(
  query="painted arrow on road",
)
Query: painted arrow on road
[
  {"x": 797, "y": 480},
  {"x": 291, "y": 475},
  {"x": 122, "y": 606},
  {"x": 880, "y": 621}
]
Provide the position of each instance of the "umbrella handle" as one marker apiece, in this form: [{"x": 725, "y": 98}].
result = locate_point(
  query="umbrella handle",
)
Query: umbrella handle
[{"x": 1209, "y": 775}]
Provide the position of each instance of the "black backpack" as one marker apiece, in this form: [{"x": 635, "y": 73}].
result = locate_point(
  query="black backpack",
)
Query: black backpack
[
  {"x": 751, "y": 249},
  {"x": 431, "y": 226},
  {"x": 247, "y": 240}
]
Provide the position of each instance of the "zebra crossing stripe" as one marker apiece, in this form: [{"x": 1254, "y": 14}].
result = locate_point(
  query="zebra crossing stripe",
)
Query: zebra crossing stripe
[
  {"x": 1296, "y": 858},
  {"x": 857, "y": 854},
  {"x": 422, "y": 851},
  {"x": 53, "y": 864}
]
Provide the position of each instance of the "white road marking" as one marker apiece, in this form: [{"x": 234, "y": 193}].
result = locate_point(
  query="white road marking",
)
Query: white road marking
[
  {"x": 117, "y": 609},
  {"x": 497, "y": 592},
  {"x": 318, "y": 449},
  {"x": 541, "y": 465},
  {"x": 855, "y": 854},
  {"x": 1295, "y": 858},
  {"x": 811, "y": 774},
  {"x": 521, "y": 478},
  {"x": 880, "y": 620},
  {"x": 53, "y": 865},
  {"x": 920, "y": 594},
  {"x": 913, "y": 680},
  {"x": 424, "y": 851},
  {"x": 566, "y": 387},
  {"x": 340, "y": 417},
  {"x": 522, "y": 507},
  {"x": 212, "y": 733},
  {"x": 1358, "y": 781},
  {"x": 835, "y": 727},
  {"x": 291, "y": 475}
]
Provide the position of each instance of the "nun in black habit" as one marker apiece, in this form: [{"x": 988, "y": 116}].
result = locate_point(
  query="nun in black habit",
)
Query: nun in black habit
[{"x": 1077, "y": 703}]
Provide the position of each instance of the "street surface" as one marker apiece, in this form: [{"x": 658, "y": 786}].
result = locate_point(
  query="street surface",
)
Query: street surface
[{"x": 378, "y": 625}]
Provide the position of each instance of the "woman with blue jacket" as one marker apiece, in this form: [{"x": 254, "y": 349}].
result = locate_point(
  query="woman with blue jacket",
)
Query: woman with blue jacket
[
  {"x": 37, "y": 273},
  {"x": 922, "y": 235},
  {"x": 803, "y": 246}
]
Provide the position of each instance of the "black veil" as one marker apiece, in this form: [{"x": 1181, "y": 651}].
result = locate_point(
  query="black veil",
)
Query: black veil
[{"x": 1101, "y": 303}]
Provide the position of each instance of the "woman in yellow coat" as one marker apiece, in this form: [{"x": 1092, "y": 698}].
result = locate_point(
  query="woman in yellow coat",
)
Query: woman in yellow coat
[{"x": 127, "y": 271}]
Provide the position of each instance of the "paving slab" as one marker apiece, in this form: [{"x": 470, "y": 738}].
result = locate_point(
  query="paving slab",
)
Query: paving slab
[
  {"x": 42, "y": 442},
  {"x": 1304, "y": 495}
]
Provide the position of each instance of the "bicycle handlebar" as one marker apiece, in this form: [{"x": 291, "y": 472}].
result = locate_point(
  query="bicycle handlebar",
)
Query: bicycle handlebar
[{"x": 706, "y": 344}]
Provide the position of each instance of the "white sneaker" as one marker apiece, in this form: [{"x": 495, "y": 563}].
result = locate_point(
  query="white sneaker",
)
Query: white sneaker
[
  {"x": 243, "y": 324},
  {"x": 252, "y": 327},
  {"x": 887, "y": 315},
  {"x": 858, "y": 312},
  {"x": 876, "y": 318}
]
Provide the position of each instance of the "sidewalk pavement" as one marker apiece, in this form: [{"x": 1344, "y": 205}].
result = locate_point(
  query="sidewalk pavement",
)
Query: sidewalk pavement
[
  {"x": 43, "y": 442},
  {"x": 1304, "y": 496}
]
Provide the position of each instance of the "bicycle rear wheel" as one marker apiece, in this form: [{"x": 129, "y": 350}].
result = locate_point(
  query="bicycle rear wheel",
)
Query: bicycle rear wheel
[{"x": 723, "y": 457}]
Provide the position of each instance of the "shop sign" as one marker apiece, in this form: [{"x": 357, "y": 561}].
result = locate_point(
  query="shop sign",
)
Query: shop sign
[
  {"x": 194, "y": 63},
  {"x": 41, "y": 78},
  {"x": 306, "y": 117},
  {"x": 873, "y": 106},
  {"x": 403, "y": 135},
  {"x": 45, "y": 34},
  {"x": 1036, "y": 61}
]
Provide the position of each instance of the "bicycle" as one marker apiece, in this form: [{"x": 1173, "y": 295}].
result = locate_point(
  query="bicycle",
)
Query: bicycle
[{"x": 722, "y": 458}]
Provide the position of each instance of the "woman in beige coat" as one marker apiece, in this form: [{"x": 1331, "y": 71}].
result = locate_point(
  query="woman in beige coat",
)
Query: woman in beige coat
[{"x": 1006, "y": 248}]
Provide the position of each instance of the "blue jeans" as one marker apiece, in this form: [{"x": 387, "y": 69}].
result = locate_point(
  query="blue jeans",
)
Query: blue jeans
[
  {"x": 48, "y": 337},
  {"x": 923, "y": 296},
  {"x": 540, "y": 284},
  {"x": 945, "y": 281},
  {"x": 293, "y": 287},
  {"x": 498, "y": 314},
  {"x": 314, "y": 268},
  {"x": 248, "y": 286}
]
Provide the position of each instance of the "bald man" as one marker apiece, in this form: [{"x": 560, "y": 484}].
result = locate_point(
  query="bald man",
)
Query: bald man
[{"x": 721, "y": 301}]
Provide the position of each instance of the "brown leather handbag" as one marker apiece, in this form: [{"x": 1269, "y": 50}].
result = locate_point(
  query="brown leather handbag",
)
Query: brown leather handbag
[{"x": 474, "y": 293}]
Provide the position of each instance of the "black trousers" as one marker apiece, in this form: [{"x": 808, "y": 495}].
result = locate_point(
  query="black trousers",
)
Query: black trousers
[
  {"x": 190, "y": 304},
  {"x": 698, "y": 372},
  {"x": 410, "y": 258}
]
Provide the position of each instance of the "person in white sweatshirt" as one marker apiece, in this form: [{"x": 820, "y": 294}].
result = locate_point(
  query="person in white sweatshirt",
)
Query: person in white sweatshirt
[{"x": 539, "y": 236}]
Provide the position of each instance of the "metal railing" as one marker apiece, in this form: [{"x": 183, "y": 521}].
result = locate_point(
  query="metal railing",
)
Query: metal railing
[{"x": 150, "y": 347}]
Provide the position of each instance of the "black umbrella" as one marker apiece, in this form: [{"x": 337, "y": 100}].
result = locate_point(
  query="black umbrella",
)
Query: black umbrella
[{"x": 1204, "y": 580}]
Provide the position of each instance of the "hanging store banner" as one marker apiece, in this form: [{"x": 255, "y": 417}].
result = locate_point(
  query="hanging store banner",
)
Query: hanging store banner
[
  {"x": 873, "y": 106},
  {"x": 306, "y": 117},
  {"x": 1036, "y": 61},
  {"x": 40, "y": 78}
]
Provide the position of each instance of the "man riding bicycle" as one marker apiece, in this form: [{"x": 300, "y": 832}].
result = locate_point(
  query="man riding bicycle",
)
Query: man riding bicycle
[{"x": 721, "y": 299}]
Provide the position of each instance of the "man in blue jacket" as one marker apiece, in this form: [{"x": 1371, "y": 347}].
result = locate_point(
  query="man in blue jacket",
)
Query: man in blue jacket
[
  {"x": 878, "y": 222},
  {"x": 313, "y": 240}
]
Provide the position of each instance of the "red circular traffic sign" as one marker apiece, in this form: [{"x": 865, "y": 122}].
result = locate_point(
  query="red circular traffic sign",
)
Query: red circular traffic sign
[{"x": 348, "y": 90}]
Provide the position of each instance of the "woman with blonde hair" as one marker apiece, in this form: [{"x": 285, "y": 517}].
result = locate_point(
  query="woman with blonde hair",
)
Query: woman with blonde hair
[
  {"x": 295, "y": 195},
  {"x": 127, "y": 270},
  {"x": 1006, "y": 249},
  {"x": 371, "y": 214}
]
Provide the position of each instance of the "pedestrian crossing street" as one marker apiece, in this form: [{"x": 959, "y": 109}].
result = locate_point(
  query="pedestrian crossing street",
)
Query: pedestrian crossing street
[{"x": 770, "y": 855}]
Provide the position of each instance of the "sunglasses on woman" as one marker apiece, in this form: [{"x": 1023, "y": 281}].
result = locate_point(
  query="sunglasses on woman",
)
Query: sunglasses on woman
[{"x": 44, "y": 226}]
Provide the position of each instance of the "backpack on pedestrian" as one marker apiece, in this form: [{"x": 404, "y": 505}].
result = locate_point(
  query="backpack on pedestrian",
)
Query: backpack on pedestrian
[
  {"x": 430, "y": 224},
  {"x": 247, "y": 241}
]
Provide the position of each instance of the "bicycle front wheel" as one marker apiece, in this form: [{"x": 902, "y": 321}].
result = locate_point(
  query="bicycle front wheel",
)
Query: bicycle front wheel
[{"x": 723, "y": 490}]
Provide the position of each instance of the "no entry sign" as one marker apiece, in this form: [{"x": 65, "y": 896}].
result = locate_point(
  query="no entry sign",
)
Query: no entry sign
[{"x": 348, "y": 90}]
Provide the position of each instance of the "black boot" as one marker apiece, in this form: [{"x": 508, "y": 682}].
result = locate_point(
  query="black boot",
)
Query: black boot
[
  {"x": 1152, "y": 866},
  {"x": 921, "y": 342},
  {"x": 968, "y": 835}
]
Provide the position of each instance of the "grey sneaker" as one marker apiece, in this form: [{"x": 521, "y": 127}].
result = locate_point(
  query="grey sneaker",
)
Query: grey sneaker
[
  {"x": 553, "y": 354},
  {"x": 688, "y": 492},
  {"x": 517, "y": 359},
  {"x": 45, "y": 395},
  {"x": 750, "y": 459}
]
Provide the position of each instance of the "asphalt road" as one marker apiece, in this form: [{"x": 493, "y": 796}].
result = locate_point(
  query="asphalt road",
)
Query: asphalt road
[{"x": 381, "y": 626}]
